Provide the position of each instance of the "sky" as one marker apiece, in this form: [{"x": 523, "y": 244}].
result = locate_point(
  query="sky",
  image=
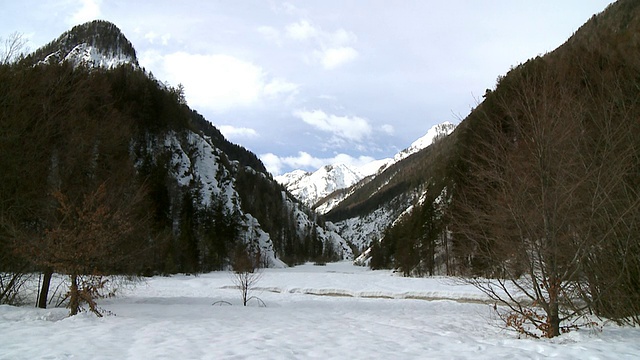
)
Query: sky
[{"x": 308, "y": 83}]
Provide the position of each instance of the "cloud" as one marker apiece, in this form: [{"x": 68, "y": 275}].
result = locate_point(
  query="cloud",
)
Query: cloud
[
  {"x": 342, "y": 37},
  {"x": 89, "y": 10},
  {"x": 276, "y": 164},
  {"x": 280, "y": 86},
  {"x": 387, "y": 129},
  {"x": 332, "y": 49},
  {"x": 152, "y": 37},
  {"x": 333, "y": 58},
  {"x": 350, "y": 128},
  {"x": 302, "y": 30},
  {"x": 271, "y": 34},
  {"x": 219, "y": 82},
  {"x": 232, "y": 132},
  {"x": 286, "y": 8}
]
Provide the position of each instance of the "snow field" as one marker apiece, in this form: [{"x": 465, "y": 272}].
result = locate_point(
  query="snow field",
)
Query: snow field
[{"x": 173, "y": 318}]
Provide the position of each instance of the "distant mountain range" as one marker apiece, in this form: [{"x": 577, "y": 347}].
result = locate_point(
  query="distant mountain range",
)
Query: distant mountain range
[{"x": 315, "y": 189}]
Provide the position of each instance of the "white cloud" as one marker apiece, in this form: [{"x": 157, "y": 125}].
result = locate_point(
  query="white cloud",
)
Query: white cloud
[
  {"x": 150, "y": 59},
  {"x": 327, "y": 97},
  {"x": 276, "y": 164},
  {"x": 280, "y": 86},
  {"x": 165, "y": 39},
  {"x": 387, "y": 129},
  {"x": 351, "y": 128},
  {"x": 333, "y": 49},
  {"x": 271, "y": 34},
  {"x": 89, "y": 10},
  {"x": 301, "y": 30},
  {"x": 342, "y": 37},
  {"x": 151, "y": 36},
  {"x": 335, "y": 57},
  {"x": 232, "y": 132},
  {"x": 272, "y": 162},
  {"x": 286, "y": 8},
  {"x": 219, "y": 82}
]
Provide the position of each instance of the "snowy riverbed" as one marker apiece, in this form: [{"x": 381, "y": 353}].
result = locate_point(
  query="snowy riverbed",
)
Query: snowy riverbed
[{"x": 338, "y": 311}]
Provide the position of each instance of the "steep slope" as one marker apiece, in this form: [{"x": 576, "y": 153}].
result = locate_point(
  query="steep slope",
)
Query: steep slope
[
  {"x": 434, "y": 134},
  {"x": 205, "y": 196},
  {"x": 588, "y": 86},
  {"x": 374, "y": 205},
  {"x": 328, "y": 186},
  {"x": 95, "y": 44},
  {"x": 310, "y": 187}
]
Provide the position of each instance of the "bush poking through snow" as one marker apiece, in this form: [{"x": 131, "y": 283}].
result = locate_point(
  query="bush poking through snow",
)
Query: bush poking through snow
[
  {"x": 11, "y": 284},
  {"x": 247, "y": 273}
]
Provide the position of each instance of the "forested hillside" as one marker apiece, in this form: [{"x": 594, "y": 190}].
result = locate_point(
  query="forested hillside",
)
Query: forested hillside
[
  {"x": 538, "y": 186},
  {"x": 106, "y": 170}
]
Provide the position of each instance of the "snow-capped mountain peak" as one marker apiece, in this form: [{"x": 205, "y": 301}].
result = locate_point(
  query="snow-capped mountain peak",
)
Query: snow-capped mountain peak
[
  {"x": 90, "y": 56},
  {"x": 311, "y": 187},
  {"x": 96, "y": 44},
  {"x": 434, "y": 134}
]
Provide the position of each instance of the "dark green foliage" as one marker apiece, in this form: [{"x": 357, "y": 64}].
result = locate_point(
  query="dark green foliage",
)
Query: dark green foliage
[
  {"x": 270, "y": 203},
  {"x": 589, "y": 87},
  {"x": 64, "y": 112},
  {"x": 67, "y": 131},
  {"x": 57, "y": 146},
  {"x": 411, "y": 245},
  {"x": 220, "y": 233}
]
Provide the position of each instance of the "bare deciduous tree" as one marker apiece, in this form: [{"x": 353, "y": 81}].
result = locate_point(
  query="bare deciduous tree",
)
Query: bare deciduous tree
[
  {"x": 541, "y": 201},
  {"x": 246, "y": 269},
  {"x": 89, "y": 239},
  {"x": 12, "y": 48}
]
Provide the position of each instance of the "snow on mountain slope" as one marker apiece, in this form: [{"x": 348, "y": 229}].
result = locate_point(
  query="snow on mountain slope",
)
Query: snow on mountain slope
[
  {"x": 310, "y": 188},
  {"x": 362, "y": 230},
  {"x": 328, "y": 235},
  {"x": 87, "y": 55},
  {"x": 374, "y": 167},
  {"x": 211, "y": 195},
  {"x": 196, "y": 163},
  {"x": 96, "y": 44},
  {"x": 434, "y": 134}
]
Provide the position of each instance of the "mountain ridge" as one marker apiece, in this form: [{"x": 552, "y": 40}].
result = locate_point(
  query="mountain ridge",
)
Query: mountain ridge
[
  {"x": 97, "y": 43},
  {"x": 324, "y": 188},
  {"x": 206, "y": 195}
]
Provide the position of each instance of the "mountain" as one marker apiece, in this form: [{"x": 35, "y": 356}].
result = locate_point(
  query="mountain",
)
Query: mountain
[
  {"x": 311, "y": 187},
  {"x": 95, "y": 44},
  {"x": 98, "y": 121},
  {"x": 533, "y": 156},
  {"x": 327, "y": 186},
  {"x": 434, "y": 134}
]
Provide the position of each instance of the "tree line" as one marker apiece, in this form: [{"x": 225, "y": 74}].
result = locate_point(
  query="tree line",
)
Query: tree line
[
  {"x": 87, "y": 187},
  {"x": 536, "y": 202}
]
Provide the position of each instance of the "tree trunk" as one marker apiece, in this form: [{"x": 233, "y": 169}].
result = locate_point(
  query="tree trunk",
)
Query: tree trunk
[
  {"x": 74, "y": 296},
  {"x": 44, "y": 291},
  {"x": 553, "y": 318}
]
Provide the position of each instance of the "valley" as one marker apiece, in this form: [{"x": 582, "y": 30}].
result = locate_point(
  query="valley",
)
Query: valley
[
  {"x": 168, "y": 317},
  {"x": 513, "y": 233}
]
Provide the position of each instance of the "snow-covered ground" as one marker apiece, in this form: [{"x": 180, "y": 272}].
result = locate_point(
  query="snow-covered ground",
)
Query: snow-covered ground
[{"x": 337, "y": 311}]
